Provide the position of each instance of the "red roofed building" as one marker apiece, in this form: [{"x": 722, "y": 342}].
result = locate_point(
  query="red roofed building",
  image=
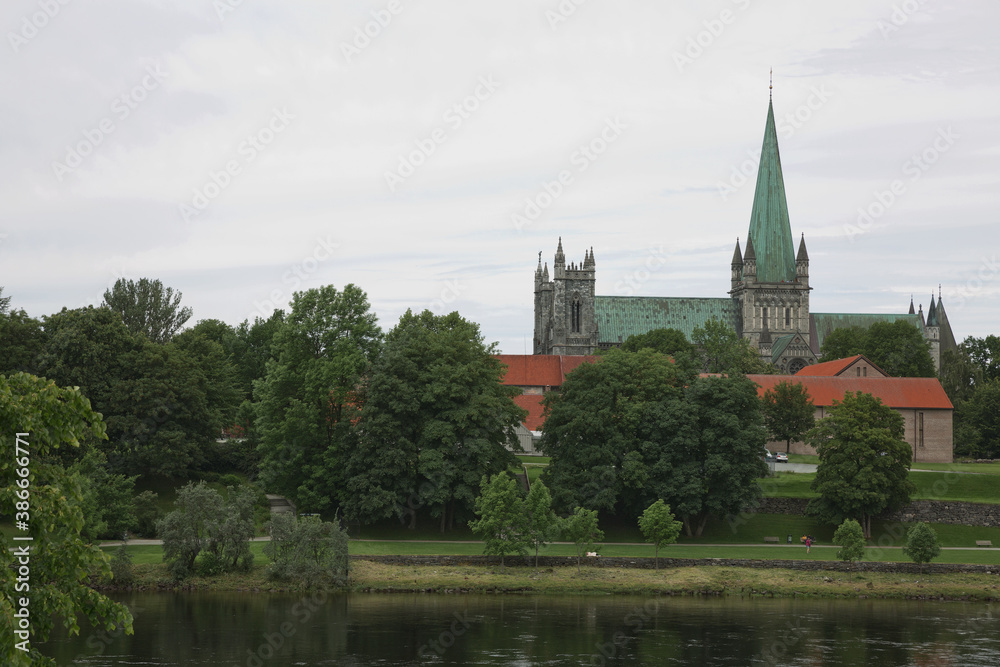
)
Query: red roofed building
[
  {"x": 926, "y": 410},
  {"x": 536, "y": 374}
]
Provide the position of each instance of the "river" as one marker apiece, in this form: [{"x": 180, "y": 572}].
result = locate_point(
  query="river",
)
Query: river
[{"x": 257, "y": 630}]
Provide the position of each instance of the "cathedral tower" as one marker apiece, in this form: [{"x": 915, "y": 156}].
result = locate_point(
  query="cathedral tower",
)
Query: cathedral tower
[
  {"x": 564, "y": 307},
  {"x": 771, "y": 286}
]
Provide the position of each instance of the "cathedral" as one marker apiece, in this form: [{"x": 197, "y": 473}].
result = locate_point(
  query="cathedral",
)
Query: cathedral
[{"x": 768, "y": 302}]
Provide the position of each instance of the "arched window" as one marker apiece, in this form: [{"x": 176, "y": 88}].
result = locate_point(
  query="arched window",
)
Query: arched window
[{"x": 575, "y": 316}]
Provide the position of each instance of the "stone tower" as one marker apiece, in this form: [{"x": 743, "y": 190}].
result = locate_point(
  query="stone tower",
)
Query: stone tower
[
  {"x": 564, "y": 306},
  {"x": 770, "y": 282}
]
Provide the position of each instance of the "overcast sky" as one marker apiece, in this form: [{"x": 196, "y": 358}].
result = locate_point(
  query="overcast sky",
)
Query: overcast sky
[{"x": 239, "y": 150}]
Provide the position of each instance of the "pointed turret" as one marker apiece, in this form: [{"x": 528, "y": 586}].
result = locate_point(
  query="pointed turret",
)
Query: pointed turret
[
  {"x": 560, "y": 256},
  {"x": 750, "y": 261},
  {"x": 802, "y": 262},
  {"x": 593, "y": 262},
  {"x": 802, "y": 255},
  {"x": 769, "y": 226},
  {"x": 932, "y": 318},
  {"x": 545, "y": 273},
  {"x": 736, "y": 266},
  {"x": 911, "y": 306}
]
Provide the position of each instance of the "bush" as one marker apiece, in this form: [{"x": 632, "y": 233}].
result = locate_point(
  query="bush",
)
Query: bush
[
  {"x": 210, "y": 565},
  {"x": 307, "y": 549},
  {"x": 122, "y": 572},
  {"x": 922, "y": 544}
]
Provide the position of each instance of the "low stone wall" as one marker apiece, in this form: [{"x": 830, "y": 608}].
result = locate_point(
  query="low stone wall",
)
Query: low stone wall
[
  {"x": 649, "y": 563},
  {"x": 930, "y": 511}
]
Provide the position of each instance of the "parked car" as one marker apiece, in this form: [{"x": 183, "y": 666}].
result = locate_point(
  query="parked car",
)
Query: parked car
[{"x": 781, "y": 457}]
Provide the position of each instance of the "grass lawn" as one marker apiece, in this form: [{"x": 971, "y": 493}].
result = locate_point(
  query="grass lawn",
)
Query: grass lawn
[
  {"x": 930, "y": 486},
  {"x": 537, "y": 460}
]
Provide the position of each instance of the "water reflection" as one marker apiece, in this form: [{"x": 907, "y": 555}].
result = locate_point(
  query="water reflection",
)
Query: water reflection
[{"x": 277, "y": 630}]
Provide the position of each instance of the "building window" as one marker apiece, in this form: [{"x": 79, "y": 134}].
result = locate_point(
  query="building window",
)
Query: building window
[
  {"x": 788, "y": 317},
  {"x": 763, "y": 316},
  {"x": 575, "y": 317},
  {"x": 864, "y": 371},
  {"x": 920, "y": 428},
  {"x": 859, "y": 371}
]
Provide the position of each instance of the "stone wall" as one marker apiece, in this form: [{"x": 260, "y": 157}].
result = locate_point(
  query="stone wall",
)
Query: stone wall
[
  {"x": 931, "y": 511},
  {"x": 649, "y": 563}
]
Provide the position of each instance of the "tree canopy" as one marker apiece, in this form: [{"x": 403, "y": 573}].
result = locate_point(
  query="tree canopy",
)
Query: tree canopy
[
  {"x": 632, "y": 428},
  {"x": 147, "y": 308},
  {"x": 436, "y": 419},
  {"x": 45, "y": 419},
  {"x": 309, "y": 397},
  {"x": 659, "y": 527},
  {"x": 788, "y": 412},
  {"x": 722, "y": 350},
  {"x": 502, "y": 522},
  {"x": 898, "y": 348},
  {"x": 863, "y": 461}
]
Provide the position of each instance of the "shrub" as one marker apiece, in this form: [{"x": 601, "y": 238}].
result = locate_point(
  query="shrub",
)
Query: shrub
[
  {"x": 122, "y": 572},
  {"x": 307, "y": 549}
]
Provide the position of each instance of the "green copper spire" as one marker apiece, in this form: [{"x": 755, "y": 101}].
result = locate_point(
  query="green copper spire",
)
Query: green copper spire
[{"x": 769, "y": 227}]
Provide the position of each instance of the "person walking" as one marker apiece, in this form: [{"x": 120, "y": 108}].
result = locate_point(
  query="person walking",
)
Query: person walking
[{"x": 809, "y": 543}]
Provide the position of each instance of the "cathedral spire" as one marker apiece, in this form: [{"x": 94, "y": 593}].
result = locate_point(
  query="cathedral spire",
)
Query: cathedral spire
[
  {"x": 737, "y": 255},
  {"x": 802, "y": 255},
  {"x": 911, "y": 306},
  {"x": 769, "y": 226},
  {"x": 560, "y": 256},
  {"x": 932, "y": 319}
]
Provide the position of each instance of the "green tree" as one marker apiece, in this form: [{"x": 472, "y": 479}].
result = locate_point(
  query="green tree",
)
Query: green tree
[
  {"x": 922, "y": 544},
  {"x": 187, "y": 531},
  {"x": 543, "y": 524},
  {"x": 977, "y": 427},
  {"x": 147, "y": 308},
  {"x": 788, "y": 412},
  {"x": 659, "y": 527},
  {"x": 851, "y": 540},
  {"x": 863, "y": 461},
  {"x": 985, "y": 353},
  {"x": 108, "y": 503},
  {"x": 502, "y": 522},
  {"x": 47, "y": 419},
  {"x": 722, "y": 350},
  {"x": 436, "y": 419},
  {"x": 633, "y": 428},
  {"x": 960, "y": 375},
  {"x": 898, "y": 348},
  {"x": 22, "y": 339},
  {"x": 310, "y": 395},
  {"x": 581, "y": 529},
  {"x": 307, "y": 549}
]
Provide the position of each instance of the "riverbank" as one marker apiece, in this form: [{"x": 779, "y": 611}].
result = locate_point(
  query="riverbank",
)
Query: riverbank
[{"x": 703, "y": 580}]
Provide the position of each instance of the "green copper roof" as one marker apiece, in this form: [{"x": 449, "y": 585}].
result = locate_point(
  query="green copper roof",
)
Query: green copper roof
[
  {"x": 619, "y": 317},
  {"x": 769, "y": 227},
  {"x": 827, "y": 322},
  {"x": 779, "y": 346}
]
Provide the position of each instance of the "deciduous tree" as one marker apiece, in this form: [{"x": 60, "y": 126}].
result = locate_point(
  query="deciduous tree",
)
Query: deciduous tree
[
  {"x": 922, "y": 544},
  {"x": 659, "y": 527},
  {"x": 436, "y": 419},
  {"x": 851, "y": 540},
  {"x": 898, "y": 348},
  {"x": 48, "y": 418},
  {"x": 543, "y": 524},
  {"x": 582, "y": 530},
  {"x": 309, "y": 398},
  {"x": 863, "y": 461},
  {"x": 503, "y": 522},
  {"x": 722, "y": 350},
  {"x": 788, "y": 412},
  {"x": 148, "y": 308}
]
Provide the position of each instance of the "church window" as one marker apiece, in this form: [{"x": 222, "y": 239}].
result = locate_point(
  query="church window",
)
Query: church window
[
  {"x": 763, "y": 315},
  {"x": 575, "y": 316},
  {"x": 788, "y": 317}
]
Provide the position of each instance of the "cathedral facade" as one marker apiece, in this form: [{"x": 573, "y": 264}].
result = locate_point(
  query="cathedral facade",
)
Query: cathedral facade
[{"x": 768, "y": 302}]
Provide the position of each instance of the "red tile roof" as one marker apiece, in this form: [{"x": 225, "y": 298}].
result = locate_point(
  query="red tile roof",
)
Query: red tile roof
[
  {"x": 924, "y": 393},
  {"x": 539, "y": 370},
  {"x": 533, "y": 404},
  {"x": 835, "y": 367}
]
